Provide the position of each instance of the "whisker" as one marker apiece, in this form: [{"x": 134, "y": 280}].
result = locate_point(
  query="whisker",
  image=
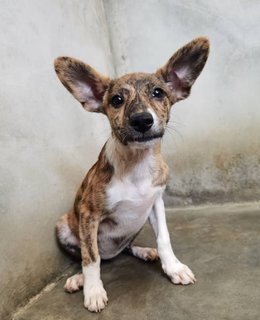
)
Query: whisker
[
  {"x": 176, "y": 123},
  {"x": 173, "y": 130}
]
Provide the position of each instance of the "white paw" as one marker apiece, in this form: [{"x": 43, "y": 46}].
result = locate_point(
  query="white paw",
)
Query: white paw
[
  {"x": 74, "y": 283},
  {"x": 146, "y": 254},
  {"x": 179, "y": 273},
  {"x": 95, "y": 297},
  {"x": 150, "y": 254}
]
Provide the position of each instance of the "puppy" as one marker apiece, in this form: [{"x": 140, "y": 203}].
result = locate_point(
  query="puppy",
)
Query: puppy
[{"x": 124, "y": 187}]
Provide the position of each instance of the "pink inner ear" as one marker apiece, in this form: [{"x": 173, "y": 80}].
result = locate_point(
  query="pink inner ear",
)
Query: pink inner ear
[
  {"x": 178, "y": 82},
  {"x": 174, "y": 82},
  {"x": 84, "y": 93}
]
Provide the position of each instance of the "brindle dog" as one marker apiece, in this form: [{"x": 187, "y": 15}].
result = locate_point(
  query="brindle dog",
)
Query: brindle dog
[{"x": 124, "y": 187}]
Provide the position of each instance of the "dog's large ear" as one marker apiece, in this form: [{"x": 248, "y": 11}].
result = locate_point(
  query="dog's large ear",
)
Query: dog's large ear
[
  {"x": 86, "y": 85},
  {"x": 183, "y": 68}
]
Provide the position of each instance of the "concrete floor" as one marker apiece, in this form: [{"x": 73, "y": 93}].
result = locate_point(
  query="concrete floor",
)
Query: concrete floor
[{"x": 220, "y": 244}]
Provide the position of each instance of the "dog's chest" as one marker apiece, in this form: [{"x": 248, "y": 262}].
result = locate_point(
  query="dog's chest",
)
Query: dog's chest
[{"x": 129, "y": 202}]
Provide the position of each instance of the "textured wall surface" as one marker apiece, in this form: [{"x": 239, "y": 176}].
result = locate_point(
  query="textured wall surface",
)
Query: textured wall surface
[
  {"x": 48, "y": 141},
  {"x": 212, "y": 144}
]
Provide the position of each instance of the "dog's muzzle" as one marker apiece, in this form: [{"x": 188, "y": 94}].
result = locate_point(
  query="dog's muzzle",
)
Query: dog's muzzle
[
  {"x": 141, "y": 122},
  {"x": 141, "y": 127}
]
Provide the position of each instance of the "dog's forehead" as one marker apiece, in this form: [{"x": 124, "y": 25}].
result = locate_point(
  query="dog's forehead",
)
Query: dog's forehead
[{"x": 135, "y": 81}]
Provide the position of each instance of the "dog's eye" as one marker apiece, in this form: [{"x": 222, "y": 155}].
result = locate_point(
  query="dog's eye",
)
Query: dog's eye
[
  {"x": 158, "y": 93},
  {"x": 117, "y": 101}
]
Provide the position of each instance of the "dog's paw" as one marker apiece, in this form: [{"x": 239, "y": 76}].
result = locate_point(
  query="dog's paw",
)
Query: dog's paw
[
  {"x": 150, "y": 254},
  {"x": 146, "y": 254},
  {"x": 74, "y": 283},
  {"x": 95, "y": 298},
  {"x": 179, "y": 273}
]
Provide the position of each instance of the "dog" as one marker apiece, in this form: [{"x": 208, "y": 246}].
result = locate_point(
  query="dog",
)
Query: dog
[{"x": 124, "y": 187}]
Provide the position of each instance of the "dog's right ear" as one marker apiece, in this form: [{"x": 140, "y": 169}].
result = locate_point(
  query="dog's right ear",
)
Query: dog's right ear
[
  {"x": 83, "y": 82},
  {"x": 184, "y": 67}
]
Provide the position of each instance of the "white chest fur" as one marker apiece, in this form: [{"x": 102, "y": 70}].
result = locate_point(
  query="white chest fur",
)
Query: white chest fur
[{"x": 131, "y": 198}]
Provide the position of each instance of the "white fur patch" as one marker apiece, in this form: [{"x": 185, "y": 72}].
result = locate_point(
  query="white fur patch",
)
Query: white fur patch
[
  {"x": 177, "y": 271},
  {"x": 95, "y": 296},
  {"x": 74, "y": 283},
  {"x": 146, "y": 254},
  {"x": 130, "y": 199},
  {"x": 156, "y": 123}
]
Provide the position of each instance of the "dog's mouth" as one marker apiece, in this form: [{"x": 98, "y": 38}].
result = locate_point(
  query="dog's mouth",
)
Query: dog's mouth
[
  {"x": 146, "y": 138},
  {"x": 128, "y": 136},
  {"x": 141, "y": 138}
]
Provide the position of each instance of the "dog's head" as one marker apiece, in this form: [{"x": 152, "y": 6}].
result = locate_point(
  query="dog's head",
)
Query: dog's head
[{"x": 138, "y": 104}]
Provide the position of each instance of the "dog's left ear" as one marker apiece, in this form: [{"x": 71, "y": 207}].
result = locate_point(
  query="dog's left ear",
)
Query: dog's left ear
[
  {"x": 83, "y": 82},
  {"x": 183, "y": 68}
]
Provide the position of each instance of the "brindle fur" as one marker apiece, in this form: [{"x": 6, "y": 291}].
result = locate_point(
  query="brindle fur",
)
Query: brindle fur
[{"x": 91, "y": 217}]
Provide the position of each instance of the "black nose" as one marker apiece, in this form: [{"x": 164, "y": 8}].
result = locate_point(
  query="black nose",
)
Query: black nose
[{"x": 141, "y": 122}]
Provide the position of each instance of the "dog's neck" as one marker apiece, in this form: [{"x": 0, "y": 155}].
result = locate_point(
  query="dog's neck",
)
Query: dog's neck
[{"x": 125, "y": 157}]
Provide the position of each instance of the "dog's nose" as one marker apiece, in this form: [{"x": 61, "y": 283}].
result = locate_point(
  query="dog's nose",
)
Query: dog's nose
[{"x": 141, "y": 122}]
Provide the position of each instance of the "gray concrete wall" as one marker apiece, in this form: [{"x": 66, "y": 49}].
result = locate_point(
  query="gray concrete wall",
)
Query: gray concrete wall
[
  {"x": 212, "y": 144},
  {"x": 47, "y": 140}
]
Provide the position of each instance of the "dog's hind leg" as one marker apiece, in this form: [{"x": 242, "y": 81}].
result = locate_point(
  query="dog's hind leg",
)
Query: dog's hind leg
[
  {"x": 74, "y": 283},
  {"x": 66, "y": 238},
  {"x": 70, "y": 244},
  {"x": 146, "y": 254}
]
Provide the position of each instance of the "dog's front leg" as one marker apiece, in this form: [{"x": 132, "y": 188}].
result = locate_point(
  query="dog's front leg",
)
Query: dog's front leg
[
  {"x": 178, "y": 272},
  {"x": 95, "y": 296}
]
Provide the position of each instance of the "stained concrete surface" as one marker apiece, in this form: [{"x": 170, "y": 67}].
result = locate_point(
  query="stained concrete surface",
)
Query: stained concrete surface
[{"x": 221, "y": 244}]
